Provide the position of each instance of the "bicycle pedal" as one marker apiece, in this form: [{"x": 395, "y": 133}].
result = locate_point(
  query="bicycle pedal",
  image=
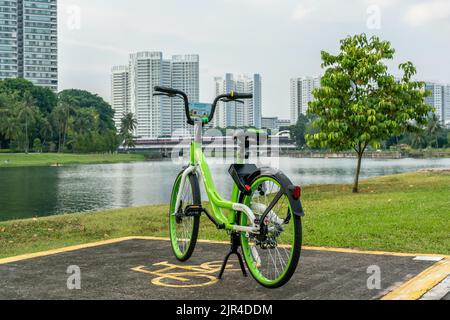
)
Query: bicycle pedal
[{"x": 193, "y": 210}]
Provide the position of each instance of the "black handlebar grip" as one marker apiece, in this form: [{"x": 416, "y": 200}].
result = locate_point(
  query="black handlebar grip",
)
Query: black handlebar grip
[
  {"x": 166, "y": 90},
  {"x": 237, "y": 96}
]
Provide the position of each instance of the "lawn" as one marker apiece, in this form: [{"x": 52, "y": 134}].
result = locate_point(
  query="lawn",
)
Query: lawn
[
  {"x": 49, "y": 159},
  {"x": 402, "y": 213}
]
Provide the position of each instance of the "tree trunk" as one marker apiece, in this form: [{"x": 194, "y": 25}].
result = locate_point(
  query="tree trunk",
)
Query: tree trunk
[
  {"x": 27, "y": 143},
  {"x": 358, "y": 171}
]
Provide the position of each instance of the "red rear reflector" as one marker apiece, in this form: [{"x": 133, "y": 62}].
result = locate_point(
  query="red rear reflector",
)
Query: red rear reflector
[
  {"x": 296, "y": 192},
  {"x": 248, "y": 188}
]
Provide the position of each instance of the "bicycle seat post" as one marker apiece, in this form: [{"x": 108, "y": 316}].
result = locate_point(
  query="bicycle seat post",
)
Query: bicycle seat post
[{"x": 243, "y": 143}]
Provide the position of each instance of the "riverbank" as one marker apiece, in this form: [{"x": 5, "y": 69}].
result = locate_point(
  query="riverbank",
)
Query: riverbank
[
  {"x": 400, "y": 154},
  {"x": 57, "y": 159},
  {"x": 405, "y": 212}
]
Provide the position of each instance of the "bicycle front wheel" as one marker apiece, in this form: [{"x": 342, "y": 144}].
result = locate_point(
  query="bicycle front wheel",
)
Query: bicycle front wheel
[
  {"x": 272, "y": 256},
  {"x": 183, "y": 227}
]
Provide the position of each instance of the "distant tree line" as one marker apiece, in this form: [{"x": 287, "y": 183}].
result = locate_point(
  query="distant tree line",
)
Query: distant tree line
[
  {"x": 34, "y": 118},
  {"x": 431, "y": 135}
]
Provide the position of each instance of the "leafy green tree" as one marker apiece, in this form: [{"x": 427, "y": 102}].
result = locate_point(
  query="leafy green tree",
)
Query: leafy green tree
[
  {"x": 359, "y": 103},
  {"x": 298, "y": 131},
  {"x": 85, "y": 100},
  {"x": 37, "y": 145},
  {"x": 301, "y": 129},
  {"x": 45, "y": 99},
  {"x": 74, "y": 120}
]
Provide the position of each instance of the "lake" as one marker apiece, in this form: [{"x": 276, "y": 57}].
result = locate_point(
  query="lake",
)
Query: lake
[{"x": 42, "y": 191}]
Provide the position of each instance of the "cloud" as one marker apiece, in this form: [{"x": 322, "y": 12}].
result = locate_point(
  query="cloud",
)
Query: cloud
[{"x": 429, "y": 11}]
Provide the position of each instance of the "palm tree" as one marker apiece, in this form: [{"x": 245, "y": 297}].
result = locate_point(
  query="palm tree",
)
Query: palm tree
[
  {"x": 418, "y": 139},
  {"x": 5, "y": 113},
  {"x": 11, "y": 129},
  {"x": 127, "y": 127},
  {"x": 62, "y": 114},
  {"x": 433, "y": 127},
  {"x": 26, "y": 112},
  {"x": 128, "y": 123},
  {"x": 46, "y": 131}
]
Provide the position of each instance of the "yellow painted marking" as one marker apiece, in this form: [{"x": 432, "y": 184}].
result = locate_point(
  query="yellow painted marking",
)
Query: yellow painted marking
[
  {"x": 184, "y": 274},
  {"x": 416, "y": 287},
  {"x": 63, "y": 250},
  {"x": 117, "y": 240}
]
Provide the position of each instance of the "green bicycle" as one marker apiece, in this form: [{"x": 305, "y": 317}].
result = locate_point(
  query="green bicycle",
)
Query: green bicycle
[{"x": 263, "y": 216}]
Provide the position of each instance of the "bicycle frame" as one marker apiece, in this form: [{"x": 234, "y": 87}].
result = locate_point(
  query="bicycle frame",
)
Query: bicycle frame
[{"x": 198, "y": 165}]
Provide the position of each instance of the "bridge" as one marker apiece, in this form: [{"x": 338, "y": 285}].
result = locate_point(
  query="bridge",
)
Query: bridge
[{"x": 223, "y": 143}]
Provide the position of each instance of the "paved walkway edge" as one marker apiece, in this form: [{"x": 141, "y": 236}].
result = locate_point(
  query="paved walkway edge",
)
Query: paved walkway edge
[{"x": 418, "y": 286}]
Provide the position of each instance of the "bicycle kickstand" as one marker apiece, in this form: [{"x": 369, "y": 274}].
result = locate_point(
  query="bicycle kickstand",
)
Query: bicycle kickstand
[{"x": 235, "y": 244}]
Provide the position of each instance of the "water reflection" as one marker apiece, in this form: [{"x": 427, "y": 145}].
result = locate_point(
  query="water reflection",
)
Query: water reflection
[{"x": 30, "y": 192}]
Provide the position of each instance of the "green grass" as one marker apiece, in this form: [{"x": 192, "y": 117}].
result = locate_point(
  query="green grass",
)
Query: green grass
[
  {"x": 403, "y": 213},
  {"x": 48, "y": 159}
]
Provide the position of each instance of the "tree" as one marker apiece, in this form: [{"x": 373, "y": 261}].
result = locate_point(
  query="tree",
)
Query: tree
[
  {"x": 298, "y": 131},
  {"x": 73, "y": 120},
  {"x": 127, "y": 128},
  {"x": 85, "y": 100},
  {"x": 45, "y": 99},
  {"x": 301, "y": 129},
  {"x": 62, "y": 116},
  {"x": 37, "y": 145},
  {"x": 26, "y": 113},
  {"x": 46, "y": 131},
  {"x": 11, "y": 129},
  {"x": 359, "y": 103},
  {"x": 433, "y": 129}
]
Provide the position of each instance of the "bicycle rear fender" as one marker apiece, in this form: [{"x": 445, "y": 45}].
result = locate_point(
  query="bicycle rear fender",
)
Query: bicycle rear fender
[{"x": 285, "y": 182}]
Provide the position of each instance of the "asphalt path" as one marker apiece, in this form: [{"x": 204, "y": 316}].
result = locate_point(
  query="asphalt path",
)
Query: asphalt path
[{"x": 146, "y": 269}]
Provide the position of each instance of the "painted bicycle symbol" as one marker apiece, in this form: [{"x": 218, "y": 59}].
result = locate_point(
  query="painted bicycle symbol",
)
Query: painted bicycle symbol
[{"x": 185, "y": 276}]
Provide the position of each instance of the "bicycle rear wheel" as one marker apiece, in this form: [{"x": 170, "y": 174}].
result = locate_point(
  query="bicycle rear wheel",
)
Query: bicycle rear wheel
[
  {"x": 183, "y": 227},
  {"x": 272, "y": 256}
]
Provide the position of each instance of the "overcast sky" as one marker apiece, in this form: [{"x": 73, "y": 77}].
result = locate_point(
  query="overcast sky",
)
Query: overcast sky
[{"x": 279, "y": 39}]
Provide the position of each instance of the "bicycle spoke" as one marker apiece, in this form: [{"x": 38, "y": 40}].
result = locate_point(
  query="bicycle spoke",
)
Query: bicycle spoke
[
  {"x": 184, "y": 225},
  {"x": 271, "y": 200}
]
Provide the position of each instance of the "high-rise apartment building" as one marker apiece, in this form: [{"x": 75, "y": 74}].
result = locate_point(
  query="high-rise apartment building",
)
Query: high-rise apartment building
[
  {"x": 120, "y": 93},
  {"x": 185, "y": 77},
  {"x": 446, "y": 102},
  {"x": 28, "y": 41},
  {"x": 235, "y": 114},
  {"x": 302, "y": 95},
  {"x": 156, "y": 116},
  {"x": 436, "y": 98},
  {"x": 8, "y": 39}
]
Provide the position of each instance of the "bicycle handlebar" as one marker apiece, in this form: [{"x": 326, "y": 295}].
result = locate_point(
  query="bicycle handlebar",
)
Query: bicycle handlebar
[{"x": 170, "y": 92}]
